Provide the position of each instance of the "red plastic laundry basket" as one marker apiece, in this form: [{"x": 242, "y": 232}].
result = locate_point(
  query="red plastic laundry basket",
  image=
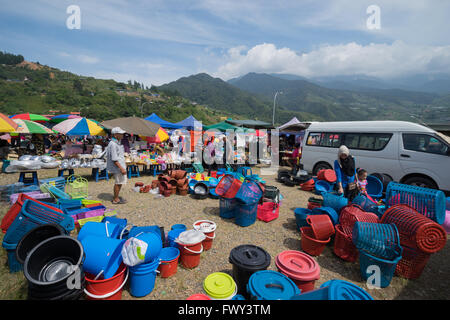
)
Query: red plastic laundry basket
[
  {"x": 15, "y": 209},
  {"x": 351, "y": 214},
  {"x": 228, "y": 187},
  {"x": 268, "y": 211},
  {"x": 416, "y": 230},
  {"x": 343, "y": 246},
  {"x": 412, "y": 263},
  {"x": 310, "y": 244}
]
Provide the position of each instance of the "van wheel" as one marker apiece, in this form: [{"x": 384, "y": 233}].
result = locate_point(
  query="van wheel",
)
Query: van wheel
[
  {"x": 320, "y": 166},
  {"x": 421, "y": 182}
]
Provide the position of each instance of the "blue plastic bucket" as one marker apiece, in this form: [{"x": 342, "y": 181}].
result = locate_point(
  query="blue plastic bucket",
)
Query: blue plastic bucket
[
  {"x": 142, "y": 278},
  {"x": 154, "y": 245},
  {"x": 103, "y": 255},
  {"x": 271, "y": 285},
  {"x": 121, "y": 222},
  {"x": 227, "y": 208},
  {"x": 328, "y": 211},
  {"x": 137, "y": 230},
  {"x": 179, "y": 226},
  {"x": 300, "y": 217},
  {"x": 172, "y": 235},
  {"x": 335, "y": 290},
  {"x": 99, "y": 229},
  {"x": 334, "y": 201}
]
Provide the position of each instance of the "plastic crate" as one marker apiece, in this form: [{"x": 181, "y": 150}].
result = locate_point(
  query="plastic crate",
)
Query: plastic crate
[
  {"x": 77, "y": 187},
  {"x": 15, "y": 209},
  {"x": 353, "y": 213},
  {"x": 32, "y": 215},
  {"x": 58, "y": 182},
  {"x": 379, "y": 239},
  {"x": 428, "y": 202},
  {"x": 416, "y": 231}
]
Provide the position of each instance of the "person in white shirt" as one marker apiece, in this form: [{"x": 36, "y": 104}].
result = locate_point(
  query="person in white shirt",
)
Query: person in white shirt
[{"x": 115, "y": 163}]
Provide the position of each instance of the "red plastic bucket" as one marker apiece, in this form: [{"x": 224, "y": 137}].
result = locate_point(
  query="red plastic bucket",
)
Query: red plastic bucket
[
  {"x": 310, "y": 244},
  {"x": 209, "y": 230},
  {"x": 321, "y": 225},
  {"x": 199, "y": 296},
  {"x": 327, "y": 174},
  {"x": 168, "y": 267},
  {"x": 106, "y": 289},
  {"x": 300, "y": 268},
  {"x": 190, "y": 254}
]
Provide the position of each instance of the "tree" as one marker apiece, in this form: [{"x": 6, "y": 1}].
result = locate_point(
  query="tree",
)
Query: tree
[{"x": 78, "y": 86}]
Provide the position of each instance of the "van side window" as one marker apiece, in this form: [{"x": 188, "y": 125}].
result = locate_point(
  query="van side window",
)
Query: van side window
[
  {"x": 424, "y": 143},
  {"x": 314, "y": 139},
  {"x": 373, "y": 141},
  {"x": 351, "y": 140},
  {"x": 331, "y": 140}
]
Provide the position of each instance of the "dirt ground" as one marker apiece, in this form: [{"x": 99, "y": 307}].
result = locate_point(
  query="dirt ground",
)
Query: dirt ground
[{"x": 276, "y": 236}]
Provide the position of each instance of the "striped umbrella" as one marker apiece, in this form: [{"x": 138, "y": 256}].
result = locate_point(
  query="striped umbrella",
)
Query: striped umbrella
[
  {"x": 160, "y": 136},
  {"x": 30, "y": 117},
  {"x": 79, "y": 127},
  {"x": 62, "y": 117},
  {"x": 7, "y": 124},
  {"x": 27, "y": 126}
]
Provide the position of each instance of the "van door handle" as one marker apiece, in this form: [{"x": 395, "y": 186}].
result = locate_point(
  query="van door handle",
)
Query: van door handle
[{"x": 405, "y": 155}]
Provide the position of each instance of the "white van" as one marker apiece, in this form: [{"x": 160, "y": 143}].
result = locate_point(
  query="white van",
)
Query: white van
[{"x": 407, "y": 152}]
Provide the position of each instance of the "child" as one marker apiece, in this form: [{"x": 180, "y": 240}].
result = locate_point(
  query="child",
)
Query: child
[{"x": 362, "y": 181}]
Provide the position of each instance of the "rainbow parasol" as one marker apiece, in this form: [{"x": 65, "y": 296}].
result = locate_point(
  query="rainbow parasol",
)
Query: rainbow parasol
[{"x": 79, "y": 127}]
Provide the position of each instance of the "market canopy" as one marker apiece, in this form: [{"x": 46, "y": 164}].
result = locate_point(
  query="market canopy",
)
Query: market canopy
[
  {"x": 30, "y": 127},
  {"x": 79, "y": 127},
  {"x": 62, "y": 117},
  {"x": 7, "y": 124},
  {"x": 30, "y": 117},
  {"x": 222, "y": 126},
  {"x": 293, "y": 125},
  {"x": 134, "y": 125},
  {"x": 190, "y": 123},
  {"x": 255, "y": 124},
  {"x": 163, "y": 123}
]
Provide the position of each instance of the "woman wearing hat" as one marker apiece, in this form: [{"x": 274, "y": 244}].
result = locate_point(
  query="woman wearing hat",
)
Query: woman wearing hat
[{"x": 345, "y": 170}]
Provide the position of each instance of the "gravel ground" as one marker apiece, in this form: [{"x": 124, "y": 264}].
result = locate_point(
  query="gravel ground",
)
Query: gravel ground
[{"x": 276, "y": 236}]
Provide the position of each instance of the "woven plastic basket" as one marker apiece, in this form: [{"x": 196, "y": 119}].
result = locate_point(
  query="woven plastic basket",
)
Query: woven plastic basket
[{"x": 351, "y": 214}]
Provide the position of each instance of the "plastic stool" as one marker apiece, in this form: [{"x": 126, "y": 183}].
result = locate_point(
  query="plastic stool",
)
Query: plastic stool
[
  {"x": 100, "y": 175},
  {"x": 133, "y": 171},
  {"x": 33, "y": 180},
  {"x": 61, "y": 172}
]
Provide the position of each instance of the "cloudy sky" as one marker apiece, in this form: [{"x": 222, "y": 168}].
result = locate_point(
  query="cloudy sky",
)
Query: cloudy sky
[{"x": 158, "y": 41}]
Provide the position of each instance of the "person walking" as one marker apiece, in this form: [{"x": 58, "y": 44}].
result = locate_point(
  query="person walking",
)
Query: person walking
[
  {"x": 115, "y": 163},
  {"x": 345, "y": 170}
]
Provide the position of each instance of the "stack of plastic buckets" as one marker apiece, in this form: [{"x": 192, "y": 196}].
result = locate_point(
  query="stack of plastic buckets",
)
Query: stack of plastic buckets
[
  {"x": 169, "y": 261},
  {"x": 246, "y": 260},
  {"x": 143, "y": 276},
  {"x": 302, "y": 269},
  {"x": 190, "y": 245},
  {"x": 209, "y": 230},
  {"x": 220, "y": 286},
  {"x": 174, "y": 232}
]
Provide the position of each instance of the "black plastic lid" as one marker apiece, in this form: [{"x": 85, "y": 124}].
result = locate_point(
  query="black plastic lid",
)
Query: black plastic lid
[{"x": 249, "y": 257}]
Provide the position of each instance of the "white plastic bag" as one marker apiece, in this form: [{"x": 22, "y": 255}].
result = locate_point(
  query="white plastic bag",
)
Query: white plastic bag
[{"x": 133, "y": 251}]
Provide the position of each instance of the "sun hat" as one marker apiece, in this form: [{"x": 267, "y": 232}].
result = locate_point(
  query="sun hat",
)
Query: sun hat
[{"x": 117, "y": 130}]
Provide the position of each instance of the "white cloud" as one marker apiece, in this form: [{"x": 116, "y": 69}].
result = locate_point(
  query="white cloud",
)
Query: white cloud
[
  {"x": 380, "y": 60},
  {"x": 87, "y": 59}
]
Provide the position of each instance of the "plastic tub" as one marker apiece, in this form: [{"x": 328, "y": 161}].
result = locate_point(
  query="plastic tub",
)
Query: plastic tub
[
  {"x": 386, "y": 267},
  {"x": 99, "y": 229},
  {"x": 226, "y": 208},
  {"x": 336, "y": 290},
  {"x": 246, "y": 260},
  {"x": 245, "y": 214},
  {"x": 334, "y": 201},
  {"x": 300, "y": 268},
  {"x": 310, "y": 244},
  {"x": 271, "y": 285},
  {"x": 330, "y": 212}
]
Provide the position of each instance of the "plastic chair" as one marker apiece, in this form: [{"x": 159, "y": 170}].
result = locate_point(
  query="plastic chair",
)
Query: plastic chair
[{"x": 428, "y": 202}]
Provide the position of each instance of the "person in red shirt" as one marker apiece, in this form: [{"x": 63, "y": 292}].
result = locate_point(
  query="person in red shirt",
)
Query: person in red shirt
[{"x": 296, "y": 155}]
